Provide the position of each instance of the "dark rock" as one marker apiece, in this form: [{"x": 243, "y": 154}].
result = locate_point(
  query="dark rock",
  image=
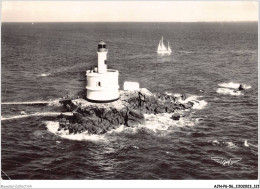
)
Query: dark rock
[
  {"x": 100, "y": 112},
  {"x": 98, "y": 130},
  {"x": 123, "y": 112},
  {"x": 134, "y": 117},
  {"x": 135, "y": 114},
  {"x": 78, "y": 117},
  {"x": 176, "y": 116},
  {"x": 61, "y": 116},
  {"x": 240, "y": 88},
  {"x": 183, "y": 97},
  {"x": 109, "y": 115},
  {"x": 63, "y": 120},
  {"x": 188, "y": 105},
  {"x": 92, "y": 129},
  {"x": 109, "y": 128},
  {"x": 88, "y": 112},
  {"x": 160, "y": 109}
]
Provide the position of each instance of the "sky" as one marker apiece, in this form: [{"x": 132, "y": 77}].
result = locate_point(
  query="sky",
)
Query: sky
[{"x": 129, "y": 11}]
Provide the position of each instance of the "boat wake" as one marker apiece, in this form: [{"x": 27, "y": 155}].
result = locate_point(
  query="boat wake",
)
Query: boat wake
[
  {"x": 45, "y": 74},
  {"x": 234, "y": 85},
  {"x": 36, "y": 114},
  {"x": 186, "y": 52},
  {"x": 232, "y": 88},
  {"x": 66, "y": 69},
  {"x": 227, "y": 91},
  {"x": 50, "y": 102}
]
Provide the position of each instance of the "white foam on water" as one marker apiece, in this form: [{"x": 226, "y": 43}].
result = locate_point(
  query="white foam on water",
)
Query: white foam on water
[
  {"x": 53, "y": 126},
  {"x": 157, "y": 122},
  {"x": 173, "y": 94},
  {"x": 45, "y": 74},
  {"x": 164, "y": 122},
  {"x": 186, "y": 52},
  {"x": 228, "y": 144},
  {"x": 55, "y": 103},
  {"x": 117, "y": 130},
  {"x": 198, "y": 104},
  {"x": 234, "y": 85},
  {"x": 245, "y": 86},
  {"x": 37, "y": 114},
  {"x": 231, "y": 145},
  {"x": 227, "y": 91}
]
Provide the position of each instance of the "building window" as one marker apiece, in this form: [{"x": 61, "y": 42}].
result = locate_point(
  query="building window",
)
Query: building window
[
  {"x": 99, "y": 46},
  {"x": 105, "y": 62},
  {"x": 99, "y": 84}
]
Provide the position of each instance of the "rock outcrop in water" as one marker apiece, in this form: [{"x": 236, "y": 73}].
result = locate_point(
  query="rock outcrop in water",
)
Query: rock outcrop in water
[{"x": 129, "y": 110}]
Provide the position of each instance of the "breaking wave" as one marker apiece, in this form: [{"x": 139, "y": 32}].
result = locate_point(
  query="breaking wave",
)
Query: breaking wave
[
  {"x": 164, "y": 122},
  {"x": 198, "y": 104},
  {"x": 159, "y": 122},
  {"x": 234, "y": 85},
  {"x": 227, "y": 91},
  {"x": 53, "y": 126}
]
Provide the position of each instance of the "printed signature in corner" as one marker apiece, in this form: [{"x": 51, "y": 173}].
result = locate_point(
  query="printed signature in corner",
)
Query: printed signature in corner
[{"x": 226, "y": 162}]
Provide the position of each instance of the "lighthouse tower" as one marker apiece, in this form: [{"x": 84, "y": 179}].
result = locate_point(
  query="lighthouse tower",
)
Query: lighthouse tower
[{"x": 102, "y": 83}]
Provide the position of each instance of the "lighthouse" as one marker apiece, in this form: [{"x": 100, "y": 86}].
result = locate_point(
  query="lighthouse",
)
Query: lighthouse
[{"x": 102, "y": 83}]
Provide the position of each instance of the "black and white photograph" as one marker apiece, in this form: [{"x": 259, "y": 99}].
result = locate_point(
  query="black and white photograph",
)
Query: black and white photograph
[{"x": 144, "y": 92}]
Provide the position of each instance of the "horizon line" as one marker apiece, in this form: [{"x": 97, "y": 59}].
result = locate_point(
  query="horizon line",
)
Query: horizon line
[{"x": 126, "y": 21}]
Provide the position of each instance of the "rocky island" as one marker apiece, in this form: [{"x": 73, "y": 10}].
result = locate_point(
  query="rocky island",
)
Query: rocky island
[{"x": 128, "y": 110}]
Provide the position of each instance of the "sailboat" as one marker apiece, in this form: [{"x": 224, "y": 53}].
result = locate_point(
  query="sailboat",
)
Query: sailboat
[{"x": 161, "y": 49}]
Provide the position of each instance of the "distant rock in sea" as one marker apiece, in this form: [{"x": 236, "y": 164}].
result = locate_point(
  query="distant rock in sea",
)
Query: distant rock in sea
[{"x": 129, "y": 110}]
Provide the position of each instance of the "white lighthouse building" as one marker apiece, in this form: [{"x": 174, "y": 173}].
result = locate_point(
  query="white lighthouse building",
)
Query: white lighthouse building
[{"x": 102, "y": 83}]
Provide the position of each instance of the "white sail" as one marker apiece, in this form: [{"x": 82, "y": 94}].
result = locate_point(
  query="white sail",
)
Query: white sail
[
  {"x": 161, "y": 49},
  {"x": 169, "y": 48}
]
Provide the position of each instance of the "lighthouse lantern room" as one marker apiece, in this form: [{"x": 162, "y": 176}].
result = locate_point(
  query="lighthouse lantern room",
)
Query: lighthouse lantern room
[{"x": 102, "y": 83}]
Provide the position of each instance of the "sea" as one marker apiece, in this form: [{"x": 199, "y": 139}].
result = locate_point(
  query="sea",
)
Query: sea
[{"x": 216, "y": 139}]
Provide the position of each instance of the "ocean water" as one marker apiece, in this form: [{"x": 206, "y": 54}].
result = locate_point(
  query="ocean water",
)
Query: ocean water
[{"x": 47, "y": 61}]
